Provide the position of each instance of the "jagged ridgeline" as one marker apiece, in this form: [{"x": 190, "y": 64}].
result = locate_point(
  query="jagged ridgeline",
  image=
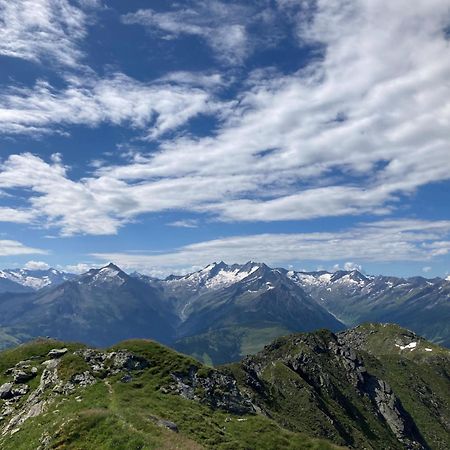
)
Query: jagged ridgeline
[
  {"x": 218, "y": 314},
  {"x": 374, "y": 387}
]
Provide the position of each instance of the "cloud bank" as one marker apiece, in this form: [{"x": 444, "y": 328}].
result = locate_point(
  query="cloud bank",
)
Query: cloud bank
[{"x": 387, "y": 240}]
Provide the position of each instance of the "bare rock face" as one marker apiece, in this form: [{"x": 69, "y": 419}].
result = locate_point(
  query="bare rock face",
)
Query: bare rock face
[
  {"x": 113, "y": 362},
  {"x": 327, "y": 368},
  {"x": 216, "y": 389},
  {"x": 51, "y": 386},
  {"x": 35, "y": 403},
  {"x": 172, "y": 426},
  {"x": 6, "y": 391},
  {"x": 22, "y": 372},
  {"x": 57, "y": 352}
]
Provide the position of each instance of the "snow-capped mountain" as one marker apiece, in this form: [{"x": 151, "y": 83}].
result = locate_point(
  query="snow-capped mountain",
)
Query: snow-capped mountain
[
  {"x": 242, "y": 306},
  {"x": 417, "y": 303},
  {"x": 31, "y": 280},
  {"x": 350, "y": 279},
  {"x": 211, "y": 278},
  {"x": 101, "y": 307},
  {"x": 252, "y": 295},
  {"x": 109, "y": 276}
]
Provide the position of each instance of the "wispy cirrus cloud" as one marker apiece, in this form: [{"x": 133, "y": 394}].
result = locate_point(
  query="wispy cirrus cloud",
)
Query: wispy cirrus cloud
[
  {"x": 223, "y": 25},
  {"x": 389, "y": 240},
  {"x": 152, "y": 108},
  {"x": 349, "y": 134},
  {"x": 44, "y": 30},
  {"x": 185, "y": 223},
  {"x": 15, "y": 248}
]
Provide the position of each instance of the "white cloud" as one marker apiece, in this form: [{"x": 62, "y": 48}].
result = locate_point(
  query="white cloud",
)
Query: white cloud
[
  {"x": 15, "y": 215},
  {"x": 42, "y": 30},
  {"x": 427, "y": 269},
  {"x": 352, "y": 266},
  {"x": 12, "y": 248},
  {"x": 78, "y": 268},
  {"x": 349, "y": 134},
  {"x": 395, "y": 240},
  {"x": 222, "y": 25},
  {"x": 348, "y": 266},
  {"x": 36, "y": 265},
  {"x": 88, "y": 100},
  {"x": 185, "y": 223},
  {"x": 366, "y": 123}
]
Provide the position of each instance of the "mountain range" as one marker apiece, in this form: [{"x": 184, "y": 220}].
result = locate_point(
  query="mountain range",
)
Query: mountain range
[
  {"x": 218, "y": 314},
  {"x": 26, "y": 280}
]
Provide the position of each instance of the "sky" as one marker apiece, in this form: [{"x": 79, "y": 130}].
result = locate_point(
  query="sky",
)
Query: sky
[{"x": 166, "y": 135}]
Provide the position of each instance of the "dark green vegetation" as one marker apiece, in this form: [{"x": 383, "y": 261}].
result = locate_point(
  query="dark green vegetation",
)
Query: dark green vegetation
[
  {"x": 373, "y": 387},
  {"x": 130, "y": 397},
  {"x": 229, "y": 344}
]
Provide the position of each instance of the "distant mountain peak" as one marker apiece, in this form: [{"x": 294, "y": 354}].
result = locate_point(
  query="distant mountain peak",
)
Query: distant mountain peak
[
  {"x": 109, "y": 274},
  {"x": 112, "y": 266},
  {"x": 35, "y": 279}
]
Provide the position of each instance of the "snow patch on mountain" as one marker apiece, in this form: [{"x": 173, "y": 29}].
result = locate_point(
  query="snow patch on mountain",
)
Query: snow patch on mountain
[
  {"x": 35, "y": 279},
  {"x": 214, "y": 276},
  {"x": 110, "y": 275},
  {"x": 411, "y": 346},
  {"x": 324, "y": 279}
]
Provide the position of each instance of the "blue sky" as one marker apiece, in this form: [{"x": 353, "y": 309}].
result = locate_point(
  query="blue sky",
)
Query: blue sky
[{"x": 166, "y": 135}]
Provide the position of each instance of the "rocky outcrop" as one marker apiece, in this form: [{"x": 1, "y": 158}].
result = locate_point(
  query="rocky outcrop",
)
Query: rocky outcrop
[
  {"x": 329, "y": 368},
  {"x": 216, "y": 389},
  {"x": 386, "y": 403},
  {"x": 100, "y": 364},
  {"x": 22, "y": 372},
  {"x": 112, "y": 363},
  {"x": 6, "y": 391},
  {"x": 35, "y": 404},
  {"x": 57, "y": 352}
]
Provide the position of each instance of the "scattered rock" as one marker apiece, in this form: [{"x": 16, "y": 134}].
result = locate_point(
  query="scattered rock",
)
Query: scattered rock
[
  {"x": 83, "y": 379},
  {"x": 218, "y": 390},
  {"x": 20, "y": 376},
  {"x": 6, "y": 391},
  {"x": 113, "y": 362},
  {"x": 21, "y": 389},
  {"x": 57, "y": 352},
  {"x": 172, "y": 426},
  {"x": 126, "y": 378},
  {"x": 50, "y": 364},
  {"x": 126, "y": 360}
]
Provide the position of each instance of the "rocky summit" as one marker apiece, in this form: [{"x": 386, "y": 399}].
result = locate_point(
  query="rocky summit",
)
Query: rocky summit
[{"x": 374, "y": 387}]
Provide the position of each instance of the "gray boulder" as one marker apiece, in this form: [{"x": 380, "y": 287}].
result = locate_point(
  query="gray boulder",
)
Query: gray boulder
[
  {"x": 168, "y": 424},
  {"x": 6, "y": 391},
  {"x": 57, "y": 352}
]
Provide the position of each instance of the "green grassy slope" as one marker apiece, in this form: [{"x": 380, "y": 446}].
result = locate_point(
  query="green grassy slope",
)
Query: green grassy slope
[
  {"x": 112, "y": 414},
  {"x": 230, "y": 343},
  {"x": 330, "y": 386}
]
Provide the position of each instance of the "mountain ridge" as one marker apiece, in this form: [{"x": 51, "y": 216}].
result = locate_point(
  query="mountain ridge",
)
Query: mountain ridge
[
  {"x": 367, "y": 387},
  {"x": 221, "y": 312}
]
